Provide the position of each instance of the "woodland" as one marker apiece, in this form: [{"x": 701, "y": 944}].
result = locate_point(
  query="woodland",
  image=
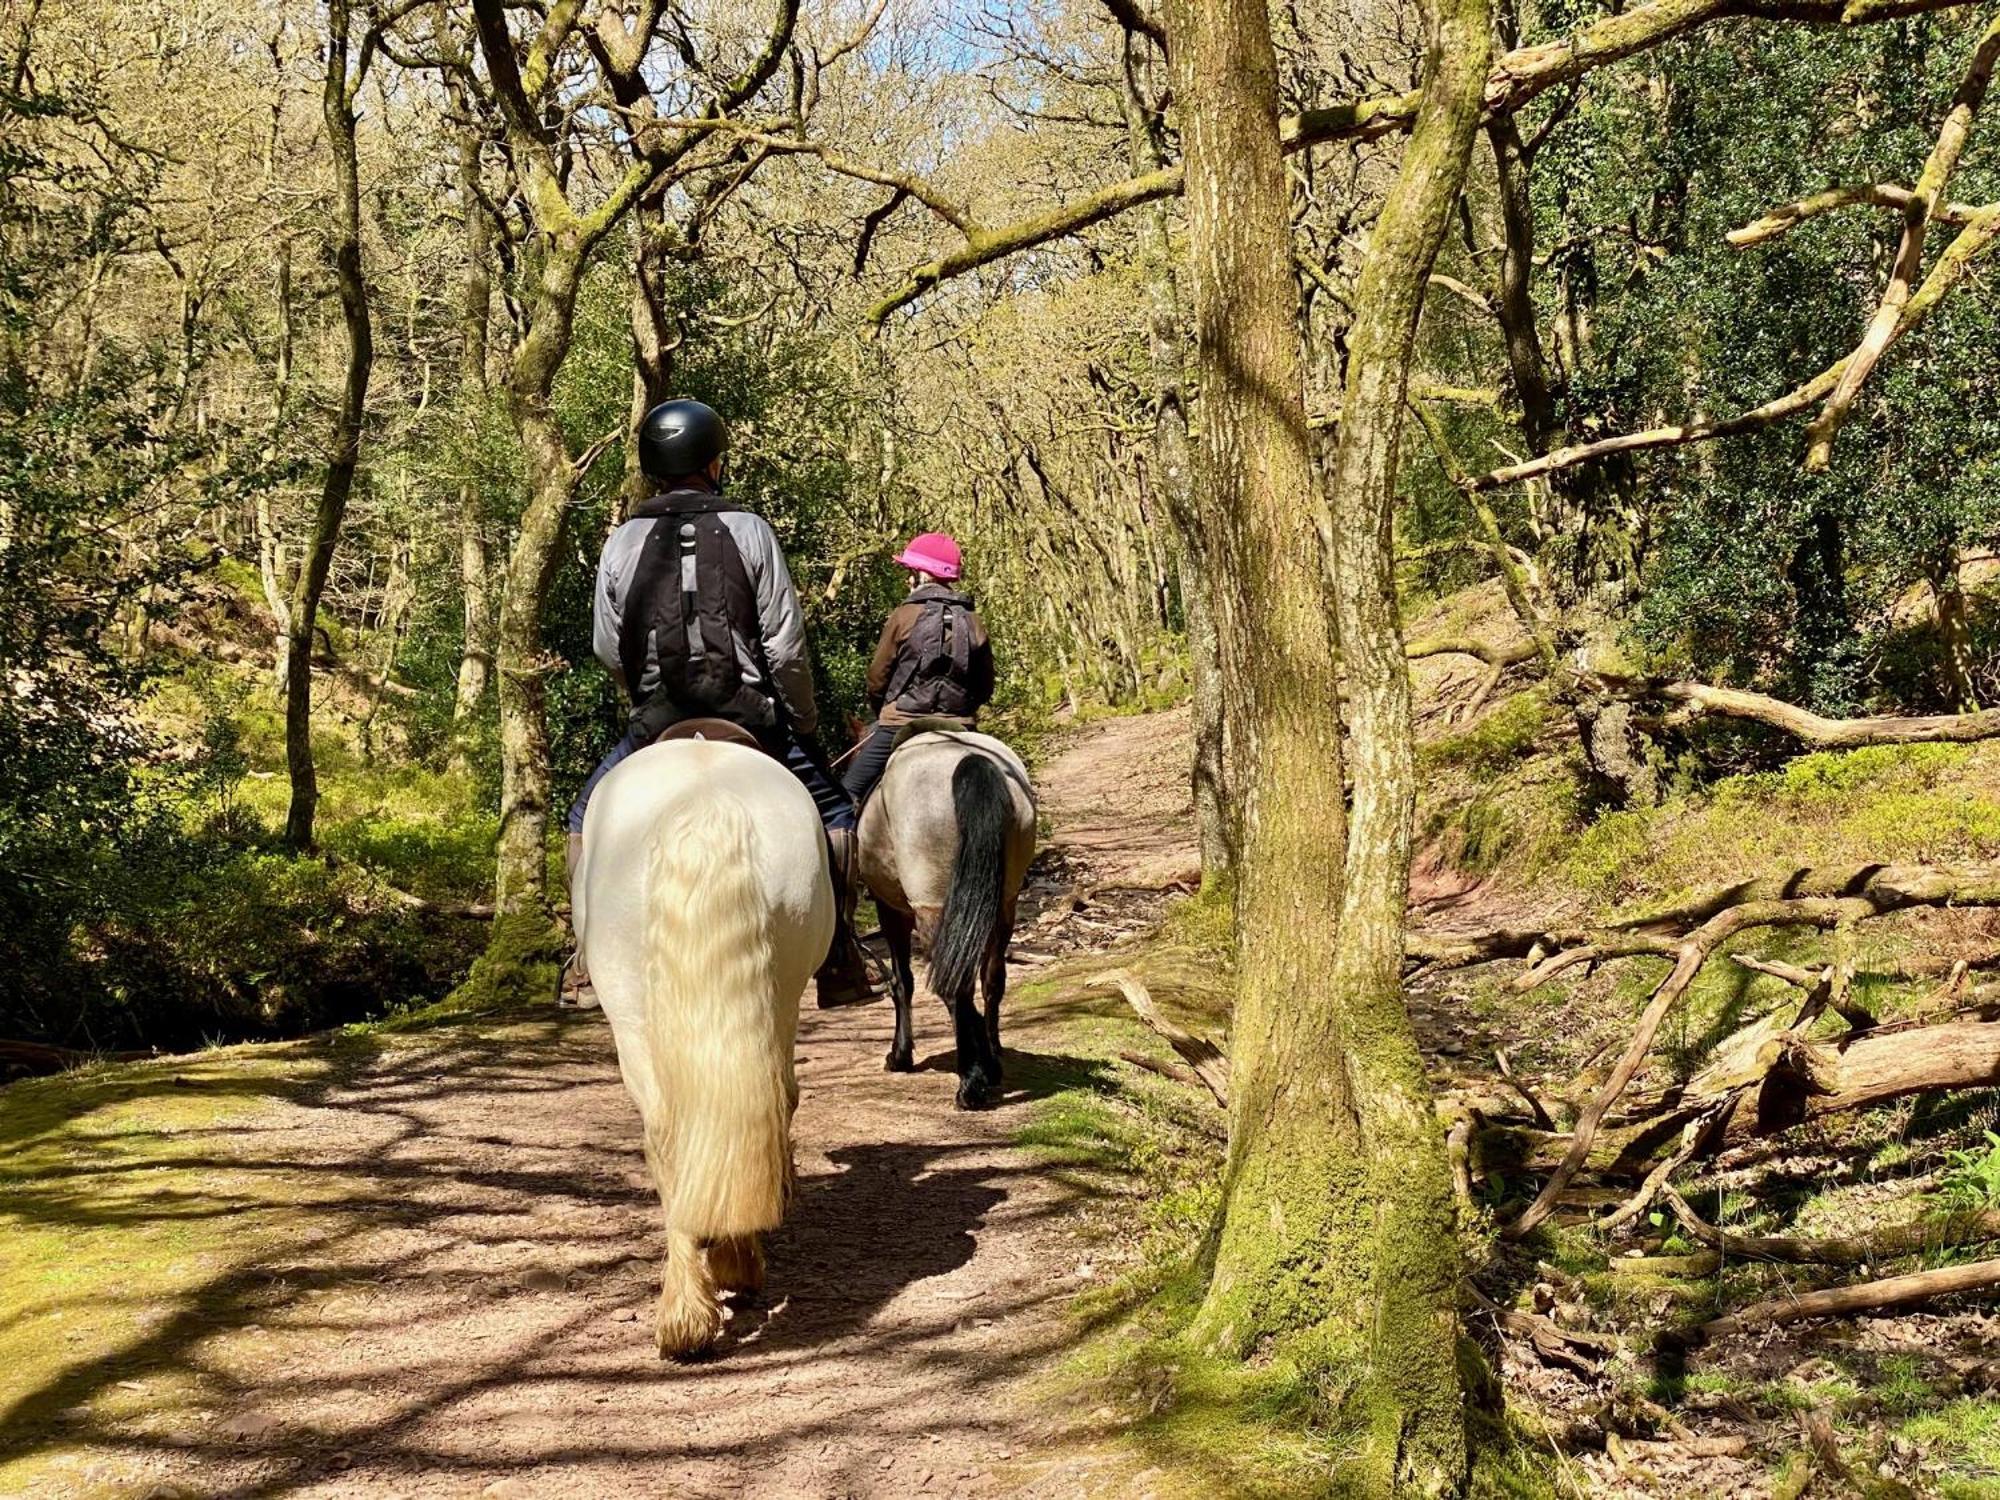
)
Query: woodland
[{"x": 1614, "y": 374}]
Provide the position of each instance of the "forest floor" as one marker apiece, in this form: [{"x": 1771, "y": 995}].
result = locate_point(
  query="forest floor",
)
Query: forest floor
[
  {"x": 420, "y": 1260},
  {"x": 423, "y": 1262}
]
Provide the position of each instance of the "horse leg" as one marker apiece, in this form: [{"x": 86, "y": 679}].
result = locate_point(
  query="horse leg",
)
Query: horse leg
[
  {"x": 899, "y": 929},
  {"x": 993, "y": 981},
  {"x": 736, "y": 1262},
  {"x": 690, "y": 1315}
]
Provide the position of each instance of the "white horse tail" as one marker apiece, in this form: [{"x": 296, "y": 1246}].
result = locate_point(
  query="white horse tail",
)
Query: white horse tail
[{"x": 721, "y": 1131}]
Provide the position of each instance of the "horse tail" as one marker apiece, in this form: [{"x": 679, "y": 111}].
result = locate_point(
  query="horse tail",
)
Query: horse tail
[
  {"x": 984, "y": 808},
  {"x": 720, "y": 1137}
]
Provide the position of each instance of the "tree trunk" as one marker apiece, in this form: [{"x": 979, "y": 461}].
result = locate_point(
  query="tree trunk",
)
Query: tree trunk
[
  {"x": 1215, "y": 819},
  {"x": 521, "y": 871},
  {"x": 653, "y": 344},
  {"x": 1417, "y": 1409},
  {"x": 1291, "y": 1254},
  {"x": 475, "y": 663},
  {"x": 345, "y": 454},
  {"x": 1337, "y": 1242}
]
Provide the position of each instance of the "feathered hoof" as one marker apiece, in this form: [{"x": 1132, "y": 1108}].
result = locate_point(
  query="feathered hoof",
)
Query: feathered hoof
[
  {"x": 737, "y": 1266},
  {"x": 687, "y": 1329},
  {"x": 975, "y": 1093}
]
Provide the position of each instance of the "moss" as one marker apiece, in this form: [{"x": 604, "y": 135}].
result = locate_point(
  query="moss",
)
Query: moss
[
  {"x": 1495, "y": 742},
  {"x": 1205, "y": 923},
  {"x": 122, "y": 1236},
  {"x": 523, "y": 957},
  {"x": 1603, "y": 857}
]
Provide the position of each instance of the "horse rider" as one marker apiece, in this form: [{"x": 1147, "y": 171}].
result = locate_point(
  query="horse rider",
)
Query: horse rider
[
  {"x": 934, "y": 660},
  {"x": 695, "y": 615}
]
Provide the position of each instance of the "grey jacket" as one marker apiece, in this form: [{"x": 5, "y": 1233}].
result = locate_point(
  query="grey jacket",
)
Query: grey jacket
[{"x": 777, "y": 607}]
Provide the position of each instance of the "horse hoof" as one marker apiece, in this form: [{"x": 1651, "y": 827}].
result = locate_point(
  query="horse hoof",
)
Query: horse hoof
[
  {"x": 974, "y": 1096},
  {"x": 900, "y": 1062}
]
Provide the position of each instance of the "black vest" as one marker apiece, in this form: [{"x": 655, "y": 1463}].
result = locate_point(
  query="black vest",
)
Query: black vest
[
  {"x": 688, "y": 625},
  {"x": 934, "y": 668}
]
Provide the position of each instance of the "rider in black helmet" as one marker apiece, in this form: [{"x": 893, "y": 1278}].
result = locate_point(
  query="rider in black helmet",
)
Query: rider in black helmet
[{"x": 696, "y": 617}]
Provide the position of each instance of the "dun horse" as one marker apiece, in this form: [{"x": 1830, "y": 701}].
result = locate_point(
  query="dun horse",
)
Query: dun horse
[
  {"x": 945, "y": 843},
  {"x": 702, "y": 906}
]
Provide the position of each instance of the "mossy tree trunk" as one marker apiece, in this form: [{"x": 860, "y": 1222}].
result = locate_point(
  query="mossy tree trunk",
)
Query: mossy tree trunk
[
  {"x": 1416, "y": 1411},
  {"x": 561, "y": 246},
  {"x": 343, "y": 82},
  {"x": 475, "y": 662},
  {"x": 1173, "y": 464},
  {"x": 1336, "y": 1247}
]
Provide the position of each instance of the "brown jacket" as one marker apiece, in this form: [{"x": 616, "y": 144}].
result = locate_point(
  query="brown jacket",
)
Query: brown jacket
[{"x": 895, "y": 641}]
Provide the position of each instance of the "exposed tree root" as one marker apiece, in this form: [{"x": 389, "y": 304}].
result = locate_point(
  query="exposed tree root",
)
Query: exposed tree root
[{"x": 1202, "y": 1055}]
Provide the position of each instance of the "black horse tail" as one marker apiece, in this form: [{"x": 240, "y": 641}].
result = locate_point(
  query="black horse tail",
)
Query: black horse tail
[{"x": 980, "y": 798}]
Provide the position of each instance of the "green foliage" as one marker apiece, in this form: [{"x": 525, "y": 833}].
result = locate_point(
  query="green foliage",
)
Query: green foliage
[{"x": 1972, "y": 1176}]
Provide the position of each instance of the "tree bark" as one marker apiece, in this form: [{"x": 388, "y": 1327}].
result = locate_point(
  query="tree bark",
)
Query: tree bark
[
  {"x": 1215, "y": 812},
  {"x": 475, "y": 663},
  {"x": 344, "y": 456},
  {"x": 1418, "y": 1406},
  {"x": 1336, "y": 1238}
]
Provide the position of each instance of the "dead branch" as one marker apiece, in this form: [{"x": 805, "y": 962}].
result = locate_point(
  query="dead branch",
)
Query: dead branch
[
  {"x": 1948, "y": 1231},
  {"x": 1799, "y": 1082},
  {"x": 1179, "y": 1072},
  {"x": 1698, "y": 700},
  {"x": 1535, "y": 1106},
  {"x": 1558, "y": 1345},
  {"x": 1701, "y": 1263},
  {"x": 1694, "y": 1135},
  {"x": 1202, "y": 1055},
  {"x": 1867, "y": 1296},
  {"x": 1789, "y": 216},
  {"x": 1463, "y": 645},
  {"x": 1692, "y": 952}
]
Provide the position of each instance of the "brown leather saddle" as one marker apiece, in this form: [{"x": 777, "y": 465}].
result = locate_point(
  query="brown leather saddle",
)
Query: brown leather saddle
[{"x": 716, "y": 731}]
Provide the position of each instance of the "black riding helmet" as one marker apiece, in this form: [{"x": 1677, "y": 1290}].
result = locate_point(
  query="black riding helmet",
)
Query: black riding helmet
[{"x": 679, "y": 438}]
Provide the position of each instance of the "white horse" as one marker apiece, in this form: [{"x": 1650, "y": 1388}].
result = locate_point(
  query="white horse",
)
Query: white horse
[
  {"x": 702, "y": 906},
  {"x": 946, "y": 837}
]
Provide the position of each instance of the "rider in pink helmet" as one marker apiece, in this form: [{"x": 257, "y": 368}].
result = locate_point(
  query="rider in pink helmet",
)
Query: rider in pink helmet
[
  {"x": 934, "y": 660},
  {"x": 934, "y": 553}
]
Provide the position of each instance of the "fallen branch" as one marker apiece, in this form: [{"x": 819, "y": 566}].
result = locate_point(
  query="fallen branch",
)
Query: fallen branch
[
  {"x": 1799, "y": 1082},
  {"x": 1178, "y": 1072},
  {"x": 1550, "y": 1339},
  {"x": 1460, "y": 645},
  {"x": 1968, "y": 1228},
  {"x": 1202, "y": 1055},
  {"x": 1699, "y": 700},
  {"x": 1867, "y": 1296}
]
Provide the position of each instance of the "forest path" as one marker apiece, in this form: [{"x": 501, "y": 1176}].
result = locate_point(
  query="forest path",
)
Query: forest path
[{"x": 465, "y": 1307}]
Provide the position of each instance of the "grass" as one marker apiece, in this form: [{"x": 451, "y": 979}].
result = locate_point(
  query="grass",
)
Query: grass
[
  {"x": 1148, "y": 1152},
  {"x": 118, "y": 1229},
  {"x": 156, "y": 1216}
]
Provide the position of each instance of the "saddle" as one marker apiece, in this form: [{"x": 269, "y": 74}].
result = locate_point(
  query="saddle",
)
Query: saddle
[
  {"x": 717, "y": 731},
  {"x": 930, "y": 724}
]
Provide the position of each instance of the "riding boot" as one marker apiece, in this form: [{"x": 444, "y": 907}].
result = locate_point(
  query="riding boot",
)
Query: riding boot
[
  {"x": 574, "y": 981},
  {"x": 844, "y": 978}
]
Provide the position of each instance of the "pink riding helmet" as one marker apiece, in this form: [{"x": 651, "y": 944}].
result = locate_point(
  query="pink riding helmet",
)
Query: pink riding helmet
[{"x": 934, "y": 553}]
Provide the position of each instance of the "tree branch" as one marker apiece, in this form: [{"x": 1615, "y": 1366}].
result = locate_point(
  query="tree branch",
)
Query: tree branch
[
  {"x": 1516, "y": 79},
  {"x": 1886, "y": 325}
]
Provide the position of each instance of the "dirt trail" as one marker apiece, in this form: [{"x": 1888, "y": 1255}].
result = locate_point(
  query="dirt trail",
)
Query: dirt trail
[{"x": 471, "y": 1314}]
